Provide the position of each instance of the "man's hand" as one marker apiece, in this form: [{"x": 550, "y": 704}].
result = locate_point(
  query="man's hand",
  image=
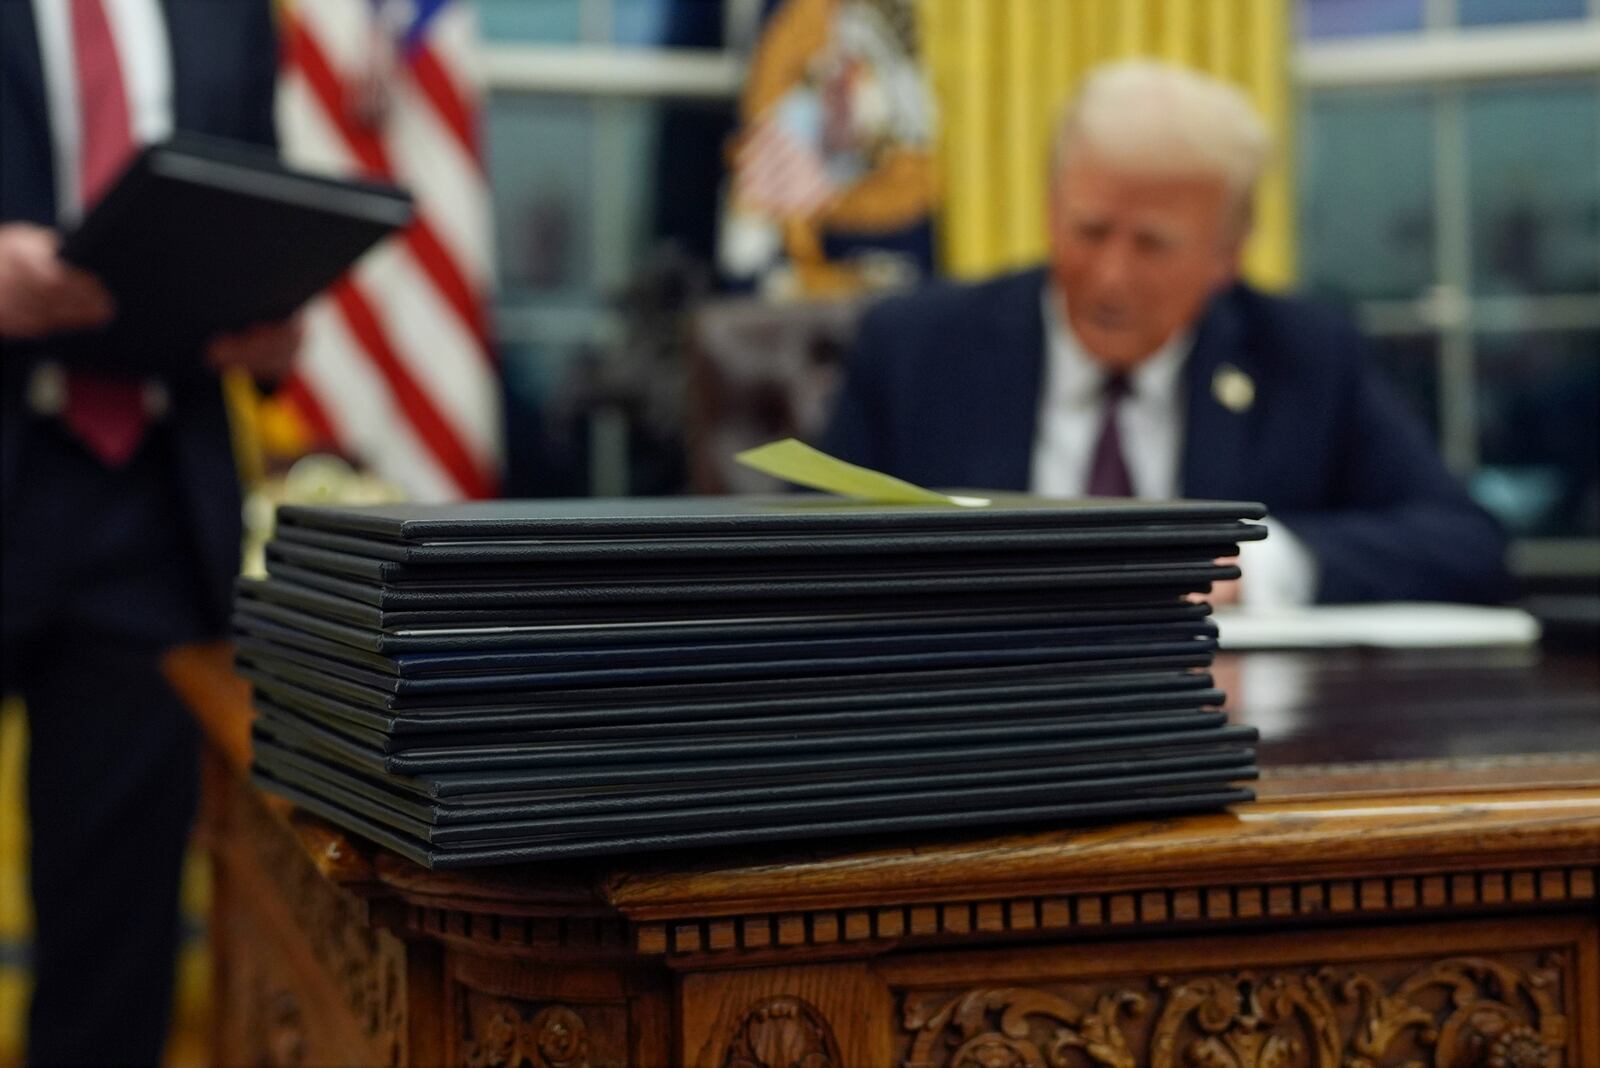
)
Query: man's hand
[
  {"x": 1222, "y": 593},
  {"x": 266, "y": 350},
  {"x": 40, "y": 294}
]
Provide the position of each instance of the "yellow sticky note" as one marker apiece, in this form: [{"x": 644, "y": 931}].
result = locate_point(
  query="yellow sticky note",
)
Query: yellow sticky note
[{"x": 795, "y": 461}]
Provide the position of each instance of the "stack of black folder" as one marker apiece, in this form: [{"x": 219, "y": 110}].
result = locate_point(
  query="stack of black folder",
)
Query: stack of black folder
[{"x": 510, "y": 681}]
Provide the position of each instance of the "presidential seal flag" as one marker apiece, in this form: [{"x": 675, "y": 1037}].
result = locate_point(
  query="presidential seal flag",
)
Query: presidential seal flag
[
  {"x": 832, "y": 179},
  {"x": 397, "y": 371}
]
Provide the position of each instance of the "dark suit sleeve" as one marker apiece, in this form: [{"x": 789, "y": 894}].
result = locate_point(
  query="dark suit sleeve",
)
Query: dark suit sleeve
[
  {"x": 258, "y": 86},
  {"x": 857, "y": 431},
  {"x": 1402, "y": 527},
  {"x": 260, "y": 77}
]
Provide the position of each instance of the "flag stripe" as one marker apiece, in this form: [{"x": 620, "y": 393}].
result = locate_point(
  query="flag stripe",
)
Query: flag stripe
[
  {"x": 308, "y": 56},
  {"x": 374, "y": 158},
  {"x": 436, "y": 85},
  {"x": 418, "y": 409},
  {"x": 426, "y": 153},
  {"x": 442, "y": 269},
  {"x": 305, "y": 402},
  {"x": 778, "y": 173},
  {"x": 421, "y": 331},
  {"x": 434, "y": 346},
  {"x": 370, "y": 421},
  {"x": 398, "y": 366}
]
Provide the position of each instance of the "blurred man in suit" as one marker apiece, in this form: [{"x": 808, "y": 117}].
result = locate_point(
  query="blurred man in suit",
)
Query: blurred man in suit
[
  {"x": 121, "y": 511},
  {"x": 1137, "y": 364}
]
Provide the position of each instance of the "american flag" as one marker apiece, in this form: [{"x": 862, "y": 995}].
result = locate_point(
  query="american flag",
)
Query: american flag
[
  {"x": 778, "y": 172},
  {"x": 397, "y": 370}
]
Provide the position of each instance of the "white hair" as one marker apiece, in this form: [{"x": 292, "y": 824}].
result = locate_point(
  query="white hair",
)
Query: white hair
[{"x": 1147, "y": 117}]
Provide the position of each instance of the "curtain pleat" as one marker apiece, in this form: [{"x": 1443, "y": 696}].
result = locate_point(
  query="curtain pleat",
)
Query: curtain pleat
[{"x": 1002, "y": 69}]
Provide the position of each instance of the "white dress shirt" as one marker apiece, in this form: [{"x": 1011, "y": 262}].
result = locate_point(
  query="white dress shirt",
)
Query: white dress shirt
[
  {"x": 140, "y": 31},
  {"x": 1072, "y": 399},
  {"x": 1151, "y": 419}
]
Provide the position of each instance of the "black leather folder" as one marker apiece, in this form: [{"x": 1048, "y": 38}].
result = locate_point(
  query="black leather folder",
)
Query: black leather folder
[
  {"x": 1029, "y": 681},
  {"x": 804, "y": 775},
  {"x": 592, "y": 725},
  {"x": 420, "y": 674},
  {"x": 366, "y": 561},
  {"x": 730, "y": 753},
  {"x": 200, "y": 236},
  {"x": 444, "y": 752},
  {"x": 704, "y": 813},
  {"x": 292, "y": 601},
  {"x": 1227, "y": 762},
  {"x": 429, "y": 602},
  {"x": 364, "y": 685},
  {"x": 745, "y": 516},
  {"x": 755, "y": 659},
  {"x": 973, "y": 547},
  {"x": 801, "y": 576},
  {"x": 482, "y": 648},
  {"x": 779, "y": 710},
  {"x": 556, "y": 848}
]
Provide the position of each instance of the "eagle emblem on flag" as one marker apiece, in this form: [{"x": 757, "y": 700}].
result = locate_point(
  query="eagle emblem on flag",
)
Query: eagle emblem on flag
[{"x": 833, "y": 161}]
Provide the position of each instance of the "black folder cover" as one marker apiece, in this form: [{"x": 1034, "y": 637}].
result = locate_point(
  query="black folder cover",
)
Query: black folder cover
[
  {"x": 794, "y": 514},
  {"x": 1194, "y": 799},
  {"x": 690, "y": 744},
  {"x": 457, "y": 732},
  {"x": 704, "y": 813},
  {"x": 417, "y": 673},
  {"x": 277, "y": 596},
  {"x": 749, "y": 639},
  {"x": 200, "y": 235},
  {"x": 378, "y": 690},
  {"x": 483, "y": 585},
  {"x": 839, "y": 770},
  {"x": 1223, "y": 762},
  {"x": 637, "y": 710},
  {"x": 718, "y": 757},
  {"x": 976, "y": 546},
  {"x": 369, "y": 559},
  {"x": 755, "y": 660},
  {"x": 436, "y": 601}
]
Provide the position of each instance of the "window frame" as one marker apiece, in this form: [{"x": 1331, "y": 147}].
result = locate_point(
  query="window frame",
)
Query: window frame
[{"x": 1448, "y": 60}]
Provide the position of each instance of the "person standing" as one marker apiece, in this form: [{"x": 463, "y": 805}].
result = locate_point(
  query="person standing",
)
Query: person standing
[{"x": 121, "y": 524}]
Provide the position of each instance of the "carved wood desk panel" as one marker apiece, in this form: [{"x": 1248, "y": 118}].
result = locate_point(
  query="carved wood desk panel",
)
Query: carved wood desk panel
[{"x": 1417, "y": 886}]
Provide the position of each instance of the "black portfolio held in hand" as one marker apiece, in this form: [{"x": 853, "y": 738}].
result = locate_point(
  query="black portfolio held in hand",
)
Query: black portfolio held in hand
[{"x": 201, "y": 236}]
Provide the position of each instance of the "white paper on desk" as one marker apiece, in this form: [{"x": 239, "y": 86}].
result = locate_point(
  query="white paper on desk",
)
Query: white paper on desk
[{"x": 1405, "y": 625}]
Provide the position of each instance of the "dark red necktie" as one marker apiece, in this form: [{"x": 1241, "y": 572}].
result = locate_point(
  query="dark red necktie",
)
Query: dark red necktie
[
  {"x": 1108, "y": 473},
  {"x": 107, "y": 414}
]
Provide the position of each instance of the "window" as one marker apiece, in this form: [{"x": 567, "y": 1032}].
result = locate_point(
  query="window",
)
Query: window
[
  {"x": 1450, "y": 197},
  {"x": 605, "y": 124}
]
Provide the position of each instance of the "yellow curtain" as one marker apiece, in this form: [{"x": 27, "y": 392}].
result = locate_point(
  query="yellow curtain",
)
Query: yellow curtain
[{"x": 1001, "y": 69}]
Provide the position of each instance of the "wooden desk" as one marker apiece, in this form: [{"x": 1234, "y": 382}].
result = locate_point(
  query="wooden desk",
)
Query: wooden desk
[{"x": 1417, "y": 885}]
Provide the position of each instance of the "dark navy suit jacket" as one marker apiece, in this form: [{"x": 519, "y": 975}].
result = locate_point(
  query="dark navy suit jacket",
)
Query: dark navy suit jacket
[
  {"x": 224, "y": 57},
  {"x": 943, "y": 390}
]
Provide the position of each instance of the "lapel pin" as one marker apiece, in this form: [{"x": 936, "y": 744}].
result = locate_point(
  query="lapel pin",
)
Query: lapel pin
[{"x": 1233, "y": 389}]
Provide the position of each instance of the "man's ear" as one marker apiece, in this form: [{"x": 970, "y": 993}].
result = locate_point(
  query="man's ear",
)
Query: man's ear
[{"x": 1230, "y": 258}]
